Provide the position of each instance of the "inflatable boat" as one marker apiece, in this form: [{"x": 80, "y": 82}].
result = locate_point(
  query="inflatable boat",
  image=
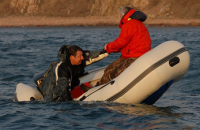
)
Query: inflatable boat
[{"x": 144, "y": 81}]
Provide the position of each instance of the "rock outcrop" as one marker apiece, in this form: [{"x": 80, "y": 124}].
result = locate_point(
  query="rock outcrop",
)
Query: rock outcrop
[
  {"x": 104, "y": 12},
  {"x": 25, "y": 6},
  {"x": 82, "y": 8}
]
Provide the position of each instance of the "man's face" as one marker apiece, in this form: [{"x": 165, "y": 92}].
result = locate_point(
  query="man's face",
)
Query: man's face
[
  {"x": 77, "y": 60},
  {"x": 121, "y": 15}
]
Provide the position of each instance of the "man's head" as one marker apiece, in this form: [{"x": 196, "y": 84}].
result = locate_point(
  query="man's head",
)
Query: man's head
[{"x": 75, "y": 55}]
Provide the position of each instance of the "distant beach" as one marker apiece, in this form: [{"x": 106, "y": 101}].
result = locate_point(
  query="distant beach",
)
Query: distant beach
[{"x": 40, "y": 21}]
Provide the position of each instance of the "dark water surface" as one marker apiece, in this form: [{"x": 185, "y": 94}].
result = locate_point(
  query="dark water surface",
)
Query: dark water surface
[{"x": 27, "y": 51}]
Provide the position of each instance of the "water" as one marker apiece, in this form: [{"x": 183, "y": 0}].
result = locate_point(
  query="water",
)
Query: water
[{"x": 27, "y": 51}]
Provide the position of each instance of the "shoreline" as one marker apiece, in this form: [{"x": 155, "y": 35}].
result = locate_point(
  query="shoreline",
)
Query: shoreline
[{"x": 41, "y": 21}]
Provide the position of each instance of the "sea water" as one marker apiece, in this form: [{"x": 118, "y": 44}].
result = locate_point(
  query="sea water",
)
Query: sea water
[{"x": 27, "y": 51}]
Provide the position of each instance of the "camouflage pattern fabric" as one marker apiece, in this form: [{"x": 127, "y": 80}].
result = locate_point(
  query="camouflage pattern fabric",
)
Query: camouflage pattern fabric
[{"x": 115, "y": 69}]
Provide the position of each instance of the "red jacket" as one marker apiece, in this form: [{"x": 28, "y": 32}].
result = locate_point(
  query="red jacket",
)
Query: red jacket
[{"x": 134, "y": 39}]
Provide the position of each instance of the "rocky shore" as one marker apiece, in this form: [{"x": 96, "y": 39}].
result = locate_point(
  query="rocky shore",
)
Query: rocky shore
[
  {"x": 87, "y": 21},
  {"x": 34, "y": 13}
]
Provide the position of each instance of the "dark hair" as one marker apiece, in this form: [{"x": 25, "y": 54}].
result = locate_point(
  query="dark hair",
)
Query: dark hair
[
  {"x": 124, "y": 10},
  {"x": 73, "y": 49}
]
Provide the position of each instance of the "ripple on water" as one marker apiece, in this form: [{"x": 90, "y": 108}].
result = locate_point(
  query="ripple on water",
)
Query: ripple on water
[{"x": 26, "y": 51}]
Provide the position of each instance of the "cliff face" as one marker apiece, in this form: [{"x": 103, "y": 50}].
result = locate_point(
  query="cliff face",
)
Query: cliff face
[{"x": 167, "y": 9}]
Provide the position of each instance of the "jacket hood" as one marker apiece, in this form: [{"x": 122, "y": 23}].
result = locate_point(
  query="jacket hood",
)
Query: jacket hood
[
  {"x": 132, "y": 14},
  {"x": 63, "y": 53}
]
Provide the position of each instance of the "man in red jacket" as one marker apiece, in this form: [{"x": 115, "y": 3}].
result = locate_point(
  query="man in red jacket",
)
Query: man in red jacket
[{"x": 133, "y": 41}]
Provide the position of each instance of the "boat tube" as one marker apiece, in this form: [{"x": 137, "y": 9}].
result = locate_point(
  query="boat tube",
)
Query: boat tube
[{"x": 144, "y": 81}]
